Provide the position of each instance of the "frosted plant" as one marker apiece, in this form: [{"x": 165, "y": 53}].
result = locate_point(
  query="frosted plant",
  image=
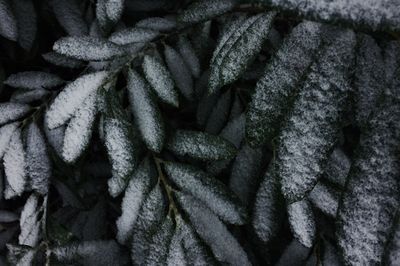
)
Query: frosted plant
[{"x": 199, "y": 132}]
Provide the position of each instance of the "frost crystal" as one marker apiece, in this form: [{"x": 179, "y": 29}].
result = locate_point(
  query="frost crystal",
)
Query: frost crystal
[
  {"x": 38, "y": 163},
  {"x": 147, "y": 115},
  {"x": 72, "y": 98},
  {"x": 200, "y": 146},
  {"x": 224, "y": 246},
  {"x": 176, "y": 254},
  {"x": 301, "y": 219},
  {"x": 61, "y": 60},
  {"x": 30, "y": 222},
  {"x": 280, "y": 81},
  {"x": 6, "y": 133},
  {"x": 158, "y": 249},
  {"x": 205, "y": 9},
  {"x": 114, "y": 9},
  {"x": 338, "y": 167},
  {"x": 12, "y": 111},
  {"x": 208, "y": 190},
  {"x": 133, "y": 35},
  {"x": 160, "y": 80},
  {"x": 325, "y": 198},
  {"x": 14, "y": 167},
  {"x": 33, "y": 80},
  {"x": 157, "y": 24}
]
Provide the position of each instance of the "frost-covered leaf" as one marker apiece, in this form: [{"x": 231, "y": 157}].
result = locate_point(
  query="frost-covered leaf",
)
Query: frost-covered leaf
[
  {"x": 6, "y": 132},
  {"x": 338, "y": 167},
  {"x": 267, "y": 213},
  {"x": 91, "y": 253},
  {"x": 219, "y": 114},
  {"x": 121, "y": 148},
  {"x": 371, "y": 197},
  {"x": 176, "y": 252},
  {"x": 392, "y": 62},
  {"x": 105, "y": 24},
  {"x": 25, "y": 14},
  {"x": 158, "y": 249},
  {"x": 189, "y": 56},
  {"x": 160, "y": 80},
  {"x": 12, "y": 111},
  {"x": 8, "y": 22},
  {"x": 28, "y": 96},
  {"x": 331, "y": 256},
  {"x": 33, "y": 80},
  {"x": 393, "y": 249},
  {"x": 55, "y": 137},
  {"x": 70, "y": 17},
  {"x": 325, "y": 198},
  {"x": 237, "y": 49},
  {"x": 205, "y": 107},
  {"x": 199, "y": 145},
  {"x": 30, "y": 222},
  {"x": 369, "y": 74},
  {"x": 245, "y": 173},
  {"x": 146, "y": 112},
  {"x": 38, "y": 163},
  {"x": 72, "y": 97},
  {"x": 279, "y": 83},
  {"x": 302, "y": 223},
  {"x": 15, "y": 167},
  {"x": 311, "y": 130},
  {"x": 208, "y": 190},
  {"x": 62, "y": 61},
  {"x": 88, "y": 48},
  {"x": 180, "y": 72},
  {"x": 133, "y": 35},
  {"x": 79, "y": 130},
  {"x": 114, "y": 9},
  {"x": 20, "y": 255},
  {"x": 150, "y": 217},
  {"x": 202, "y": 10},
  {"x": 157, "y": 24},
  {"x": 134, "y": 197},
  {"x": 224, "y": 246},
  {"x": 376, "y": 15},
  {"x": 8, "y": 217}
]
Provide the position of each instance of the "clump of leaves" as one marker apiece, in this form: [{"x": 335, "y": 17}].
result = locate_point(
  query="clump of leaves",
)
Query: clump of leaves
[{"x": 205, "y": 132}]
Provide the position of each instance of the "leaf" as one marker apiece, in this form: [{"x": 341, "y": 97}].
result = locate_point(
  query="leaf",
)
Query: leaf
[
  {"x": 12, "y": 111},
  {"x": 180, "y": 72},
  {"x": 375, "y": 16},
  {"x": 158, "y": 249},
  {"x": 279, "y": 84},
  {"x": 188, "y": 54},
  {"x": 38, "y": 165},
  {"x": 372, "y": 187},
  {"x": 325, "y": 198},
  {"x": 70, "y": 17},
  {"x": 14, "y": 167},
  {"x": 135, "y": 193},
  {"x": 102, "y": 18},
  {"x": 224, "y": 246},
  {"x": 147, "y": 115},
  {"x": 203, "y": 10},
  {"x": 176, "y": 253},
  {"x": 302, "y": 224},
  {"x": 6, "y": 133},
  {"x": 391, "y": 55},
  {"x": 237, "y": 49},
  {"x": 368, "y": 78},
  {"x": 160, "y": 80},
  {"x": 87, "y": 48},
  {"x": 72, "y": 97},
  {"x": 114, "y": 9},
  {"x": 8, "y": 23},
  {"x": 267, "y": 213},
  {"x": 91, "y": 253},
  {"x": 201, "y": 146},
  {"x": 28, "y": 96},
  {"x": 21, "y": 255},
  {"x": 338, "y": 167},
  {"x": 62, "y": 61},
  {"x": 150, "y": 216},
  {"x": 157, "y": 24},
  {"x": 208, "y": 190},
  {"x": 393, "y": 250},
  {"x": 331, "y": 256},
  {"x": 30, "y": 222},
  {"x": 55, "y": 137},
  {"x": 31, "y": 80},
  {"x": 312, "y": 128},
  {"x": 121, "y": 148},
  {"x": 219, "y": 114},
  {"x": 25, "y": 14},
  {"x": 8, "y": 217},
  {"x": 245, "y": 173},
  {"x": 294, "y": 253},
  {"x": 133, "y": 35},
  {"x": 79, "y": 130}
]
